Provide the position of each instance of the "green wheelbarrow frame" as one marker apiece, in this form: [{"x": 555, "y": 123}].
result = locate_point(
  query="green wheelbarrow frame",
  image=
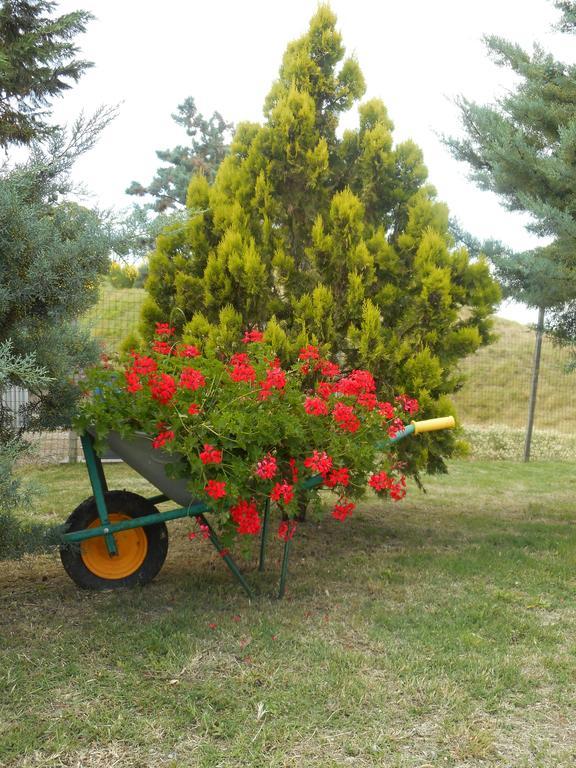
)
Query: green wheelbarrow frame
[{"x": 107, "y": 529}]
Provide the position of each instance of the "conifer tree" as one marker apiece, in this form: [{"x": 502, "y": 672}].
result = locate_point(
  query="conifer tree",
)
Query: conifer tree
[
  {"x": 335, "y": 241},
  {"x": 522, "y": 148},
  {"x": 36, "y": 64},
  {"x": 206, "y": 150}
]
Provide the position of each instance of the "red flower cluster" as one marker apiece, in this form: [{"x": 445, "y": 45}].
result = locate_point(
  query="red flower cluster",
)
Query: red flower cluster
[
  {"x": 320, "y": 463},
  {"x": 329, "y": 369},
  {"x": 342, "y": 509},
  {"x": 357, "y": 383},
  {"x": 162, "y": 387},
  {"x": 294, "y": 470},
  {"x": 383, "y": 482},
  {"x": 282, "y": 492},
  {"x": 275, "y": 379},
  {"x": 338, "y": 477},
  {"x": 309, "y": 353},
  {"x": 215, "y": 489},
  {"x": 132, "y": 381},
  {"x": 189, "y": 351},
  {"x": 142, "y": 364},
  {"x": 192, "y": 379},
  {"x": 251, "y": 337},
  {"x": 368, "y": 400},
  {"x": 245, "y": 515},
  {"x": 162, "y": 347},
  {"x": 315, "y": 406},
  {"x": 241, "y": 369},
  {"x": 408, "y": 404},
  {"x": 204, "y": 531},
  {"x": 193, "y": 409},
  {"x": 387, "y": 410},
  {"x": 210, "y": 455},
  {"x": 345, "y": 417},
  {"x": 267, "y": 467},
  {"x": 325, "y": 389},
  {"x": 162, "y": 438},
  {"x": 164, "y": 329},
  {"x": 396, "y": 426},
  {"x": 286, "y": 530}
]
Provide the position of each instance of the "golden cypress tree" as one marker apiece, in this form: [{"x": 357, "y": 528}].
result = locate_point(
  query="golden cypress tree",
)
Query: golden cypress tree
[{"x": 335, "y": 241}]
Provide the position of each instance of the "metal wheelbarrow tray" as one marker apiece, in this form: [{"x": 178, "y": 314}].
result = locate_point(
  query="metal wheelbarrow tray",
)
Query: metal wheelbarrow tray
[{"x": 118, "y": 539}]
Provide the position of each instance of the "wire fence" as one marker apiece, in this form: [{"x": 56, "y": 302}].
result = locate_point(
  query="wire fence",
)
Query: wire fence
[{"x": 492, "y": 404}]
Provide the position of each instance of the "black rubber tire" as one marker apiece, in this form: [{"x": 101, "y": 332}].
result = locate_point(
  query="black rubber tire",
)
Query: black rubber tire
[{"x": 126, "y": 503}]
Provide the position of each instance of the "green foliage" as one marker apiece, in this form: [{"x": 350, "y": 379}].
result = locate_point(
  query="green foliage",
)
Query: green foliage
[
  {"x": 122, "y": 275},
  {"x": 336, "y": 242},
  {"x": 51, "y": 255},
  {"x": 16, "y": 537},
  {"x": 37, "y": 63},
  {"x": 523, "y": 148}
]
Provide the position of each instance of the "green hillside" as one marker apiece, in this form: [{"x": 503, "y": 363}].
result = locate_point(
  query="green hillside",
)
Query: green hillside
[{"x": 498, "y": 383}]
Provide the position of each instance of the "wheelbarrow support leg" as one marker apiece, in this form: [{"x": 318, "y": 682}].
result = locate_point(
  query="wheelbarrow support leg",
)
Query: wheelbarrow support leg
[
  {"x": 99, "y": 487},
  {"x": 225, "y": 556},
  {"x": 284, "y": 570},
  {"x": 264, "y": 535}
]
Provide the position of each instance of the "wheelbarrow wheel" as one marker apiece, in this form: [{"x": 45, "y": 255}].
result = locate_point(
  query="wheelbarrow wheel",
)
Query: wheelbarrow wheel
[{"x": 141, "y": 551}]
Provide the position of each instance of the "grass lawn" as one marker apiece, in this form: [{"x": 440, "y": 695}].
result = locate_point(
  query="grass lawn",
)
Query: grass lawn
[{"x": 440, "y": 631}]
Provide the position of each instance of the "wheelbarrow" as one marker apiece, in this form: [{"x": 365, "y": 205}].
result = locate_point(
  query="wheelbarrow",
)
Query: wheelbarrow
[{"x": 118, "y": 539}]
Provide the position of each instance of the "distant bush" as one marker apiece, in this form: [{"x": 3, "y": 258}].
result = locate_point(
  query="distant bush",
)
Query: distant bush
[{"x": 122, "y": 275}]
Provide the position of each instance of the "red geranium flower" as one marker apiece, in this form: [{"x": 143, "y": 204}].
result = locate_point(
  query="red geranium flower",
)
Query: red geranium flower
[
  {"x": 315, "y": 406},
  {"x": 245, "y": 515},
  {"x": 189, "y": 351},
  {"x": 282, "y": 492},
  {"x": 408, "y": 404},
  {"x": 320, "y": 463},
  {"x": 192, "y": 379},
  {"x": 386, "y": 409},
  {"x": 325, "y": 389},
  {"x": 162, "y": 347},
  {"x": 368, "y": 400},
  {"x": 275, "y": 379},
  {"x": 345, "y": 417},
  {"x": 143, "y": 364},
  {"x": 216, "y": 489},
  {"x": 133, "y": 383},
  {"x": 309, "y": 353},
  {"x": 287, "y": 529},
  {"x": 329, "y": 369},
  {"x": 162, "y": 438},
  {"x": 193, "y": 409},
  {"x": 342, "y": 509},
  {"x": 251, "y": 337},
  {"x": 164, "y": 329},
  {"x": 162, "y": 387},
  {"x": 210, "y": 455},
  {"x": 267, "y": 467},
  {"x": 396, "y": 426},
  {"x": 338, "y": 477}
]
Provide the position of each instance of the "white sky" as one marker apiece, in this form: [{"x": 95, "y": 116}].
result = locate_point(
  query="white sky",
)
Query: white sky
[{"x": 416, "y": 55}]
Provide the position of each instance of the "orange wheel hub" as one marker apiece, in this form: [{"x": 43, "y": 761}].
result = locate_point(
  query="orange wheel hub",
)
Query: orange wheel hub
[{"x": 132, "y": 546}]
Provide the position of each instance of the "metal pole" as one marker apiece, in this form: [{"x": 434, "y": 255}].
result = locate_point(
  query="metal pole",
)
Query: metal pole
[
  {"x": 72, "y": 447},
  {"x": 534, "y": 384},
  {"x": 264, "y": 535}
]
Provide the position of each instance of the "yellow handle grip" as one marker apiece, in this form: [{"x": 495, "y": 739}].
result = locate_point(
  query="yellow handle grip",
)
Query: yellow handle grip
[{"x": 430, "y": 425}]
